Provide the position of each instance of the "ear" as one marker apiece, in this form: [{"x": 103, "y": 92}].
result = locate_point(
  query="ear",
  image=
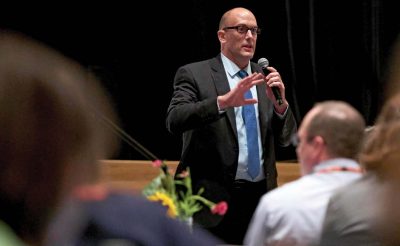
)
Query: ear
[
  {"x": 221, "y": 36},
  {"x": 319, "y": 145},
  {"x": 318, "y": 141}
]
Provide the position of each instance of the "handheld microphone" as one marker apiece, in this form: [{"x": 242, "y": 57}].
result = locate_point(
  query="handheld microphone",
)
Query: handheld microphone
[{"x": 264, "y": 63}]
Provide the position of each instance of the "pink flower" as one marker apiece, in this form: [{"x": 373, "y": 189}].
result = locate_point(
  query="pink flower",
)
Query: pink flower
[
  {"x": 185, "y": 201},
  {"x": 220, "y": 208},
  {"x": 183, "y": 174},
  {"x": 157, "y": 163}
]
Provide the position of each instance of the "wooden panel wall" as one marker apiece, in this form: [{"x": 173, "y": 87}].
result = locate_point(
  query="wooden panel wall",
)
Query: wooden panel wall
[{"x": 136, "y": 174}]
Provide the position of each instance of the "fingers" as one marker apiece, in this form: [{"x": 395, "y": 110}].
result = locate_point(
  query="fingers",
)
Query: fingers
[
  {"x": 276, "y": 83},
  {"x": 274, "y": 78},
  {"x": 250, "y": 101},
  {"x": 244, "y": 85},
  {"x": 272, "y": 69},
  {"x": 251, "y": 80}
]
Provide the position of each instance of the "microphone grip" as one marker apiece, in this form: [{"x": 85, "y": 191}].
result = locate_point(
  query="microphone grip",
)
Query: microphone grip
[
  {"x": 275, "y": 90},
  {"x": 277, "y": 95}
]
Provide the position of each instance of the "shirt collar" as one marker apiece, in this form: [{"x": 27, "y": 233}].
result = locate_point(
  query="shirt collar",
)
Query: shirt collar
[
  {"x": 341, "y": 162},
  {"x": 231, "y": 68}
]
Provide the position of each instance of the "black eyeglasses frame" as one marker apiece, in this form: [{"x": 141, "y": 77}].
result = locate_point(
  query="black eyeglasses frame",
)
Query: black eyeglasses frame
[{"x": 243, "y": 29}]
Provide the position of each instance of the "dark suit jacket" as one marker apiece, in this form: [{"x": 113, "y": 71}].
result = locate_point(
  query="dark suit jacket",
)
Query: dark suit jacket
[{"x": 210, "y": 142}]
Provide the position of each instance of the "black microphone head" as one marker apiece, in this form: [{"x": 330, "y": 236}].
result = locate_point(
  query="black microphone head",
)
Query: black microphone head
[{"x": 263, "y": 62}]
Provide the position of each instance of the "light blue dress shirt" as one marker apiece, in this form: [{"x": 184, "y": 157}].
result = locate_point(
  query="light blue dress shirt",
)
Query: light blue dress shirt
[{"x": 233, "y": 78}]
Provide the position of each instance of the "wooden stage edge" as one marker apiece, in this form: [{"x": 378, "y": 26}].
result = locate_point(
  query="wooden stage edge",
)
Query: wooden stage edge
[{"x": 136, "y": 174}]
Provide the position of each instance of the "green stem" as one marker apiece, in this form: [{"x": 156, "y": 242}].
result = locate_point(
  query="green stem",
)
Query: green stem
[{"x": 203, "y": 200}]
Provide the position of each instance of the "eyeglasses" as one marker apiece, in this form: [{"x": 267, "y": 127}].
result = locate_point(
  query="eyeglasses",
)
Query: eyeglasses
[
  {"x": 295, "y": 140},
  {"x": 243, "y": 29}
]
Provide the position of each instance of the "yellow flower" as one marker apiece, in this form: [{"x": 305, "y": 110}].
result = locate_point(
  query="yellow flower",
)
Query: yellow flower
[
  {"x": 165, "y": 201},
  {"x": 177, "y": 194}
]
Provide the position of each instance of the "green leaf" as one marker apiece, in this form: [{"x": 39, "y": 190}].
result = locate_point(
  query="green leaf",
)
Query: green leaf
[{"x": 152, "y": 187}]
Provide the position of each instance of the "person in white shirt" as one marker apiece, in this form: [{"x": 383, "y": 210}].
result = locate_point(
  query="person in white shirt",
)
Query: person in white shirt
[{"x": 328, "y": 142}]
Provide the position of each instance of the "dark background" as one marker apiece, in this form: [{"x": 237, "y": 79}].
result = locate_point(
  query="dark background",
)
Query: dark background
[{"x": 323, "y": 50}]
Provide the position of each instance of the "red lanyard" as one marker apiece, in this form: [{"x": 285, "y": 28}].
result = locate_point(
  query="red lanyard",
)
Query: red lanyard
[{"x": 341, "y": 169}]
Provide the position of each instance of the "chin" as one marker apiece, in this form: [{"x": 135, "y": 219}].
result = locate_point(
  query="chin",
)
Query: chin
[{"x": 248, "y": 55}]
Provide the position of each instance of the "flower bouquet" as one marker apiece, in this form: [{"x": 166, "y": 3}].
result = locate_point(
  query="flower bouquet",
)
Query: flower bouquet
[{"x": 177, "y": 194}]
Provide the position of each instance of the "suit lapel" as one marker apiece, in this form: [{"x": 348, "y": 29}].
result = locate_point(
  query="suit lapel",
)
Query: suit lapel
[
  {"x": 263, "y": 105},
  {"x": 222, "y": 86}
]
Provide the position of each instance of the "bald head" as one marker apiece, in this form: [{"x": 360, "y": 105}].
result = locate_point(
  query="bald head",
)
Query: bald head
[
  {"x": 341, "y": 126},
  {"x": 238, "y": 46},
  {"x": 233, "y": 14}
]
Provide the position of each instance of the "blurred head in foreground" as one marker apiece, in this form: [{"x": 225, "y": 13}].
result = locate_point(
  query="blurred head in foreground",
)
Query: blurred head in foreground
[
  {"x": 381, "y": 150},
  {"x": 50, "y": 132},
  {"x": 381, "y": 155}
]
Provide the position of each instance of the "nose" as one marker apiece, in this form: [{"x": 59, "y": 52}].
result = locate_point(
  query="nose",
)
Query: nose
[{"x": 249, "y": 33}]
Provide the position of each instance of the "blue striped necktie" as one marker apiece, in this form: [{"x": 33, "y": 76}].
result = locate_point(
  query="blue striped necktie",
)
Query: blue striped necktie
[{"x": 250, "y": 122}]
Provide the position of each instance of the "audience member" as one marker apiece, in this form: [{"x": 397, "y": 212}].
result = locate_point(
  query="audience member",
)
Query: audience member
[
  {"x": 97, "y": 215},
  {"x": 329, "y": 139},
  {"x": 389, "y": 213},
  {"x": 206, "y": 108},
  {"x": 51, "y": 138},
  {"x": 353, "y": 214}
]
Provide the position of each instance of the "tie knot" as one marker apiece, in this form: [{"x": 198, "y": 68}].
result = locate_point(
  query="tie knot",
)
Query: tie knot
[{"x": 242, "y": 74}]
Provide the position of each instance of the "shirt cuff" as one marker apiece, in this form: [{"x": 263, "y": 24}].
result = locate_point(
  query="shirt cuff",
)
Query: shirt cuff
[{"x": 281, "y": 116}]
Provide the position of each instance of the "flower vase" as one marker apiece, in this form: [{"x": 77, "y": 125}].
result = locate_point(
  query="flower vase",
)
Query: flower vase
[{"x": 189, "y": 222}]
